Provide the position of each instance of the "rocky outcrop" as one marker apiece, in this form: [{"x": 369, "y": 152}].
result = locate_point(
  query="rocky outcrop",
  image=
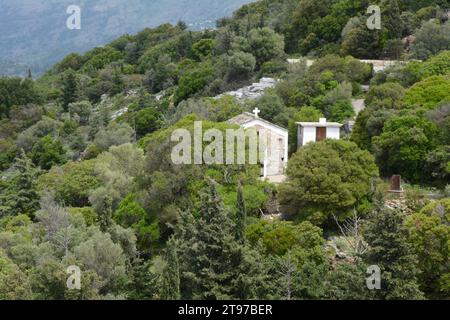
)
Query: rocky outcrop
[
  {"x": 253, "y": 91},
  {"x": 119, "y": 113},
  {"x": 129, "y": 95}
]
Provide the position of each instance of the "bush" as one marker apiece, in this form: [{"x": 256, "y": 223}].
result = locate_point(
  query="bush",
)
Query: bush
[
  {"x": 429, "y": 93},
  {"x": 280, "y": 236}
]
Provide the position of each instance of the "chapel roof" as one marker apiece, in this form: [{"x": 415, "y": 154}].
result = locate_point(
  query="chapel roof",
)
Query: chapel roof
[
  {"x": 242, "y": 118},
  {"x": 247, "y": 117}
]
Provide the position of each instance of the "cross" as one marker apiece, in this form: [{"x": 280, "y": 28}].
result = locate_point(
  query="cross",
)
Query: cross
[{"x": 256, "y": 112}]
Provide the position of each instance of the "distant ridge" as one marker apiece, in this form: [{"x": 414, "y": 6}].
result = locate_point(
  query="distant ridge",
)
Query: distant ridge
[{"x": 34, "y": 34}]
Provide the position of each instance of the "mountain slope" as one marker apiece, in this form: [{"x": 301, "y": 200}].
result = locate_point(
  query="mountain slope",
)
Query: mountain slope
[{"x": 34, "y": 33}]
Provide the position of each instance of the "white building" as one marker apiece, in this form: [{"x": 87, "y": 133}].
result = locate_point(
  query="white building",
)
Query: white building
[
  {"x": 276, "y": 150},
  {"x": 317, "y": 131}
]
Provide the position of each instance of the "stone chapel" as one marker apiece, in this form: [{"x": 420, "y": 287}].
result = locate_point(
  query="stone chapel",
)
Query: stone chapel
[{"x": 276, "y": 150}]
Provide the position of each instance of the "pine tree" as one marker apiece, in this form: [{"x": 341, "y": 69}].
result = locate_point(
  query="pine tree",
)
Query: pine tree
[
  {"x": 171, "y": 276},
  {"x": 391, "y": 252},
  {"x": 105, "y": 213},
  {"x": 20, "y": 195},
  {"x": 241, "y": 216}
]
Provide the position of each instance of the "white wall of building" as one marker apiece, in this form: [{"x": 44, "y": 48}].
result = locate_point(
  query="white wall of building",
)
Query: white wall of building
[
  {"x": 276, "y": 154},
  {"x": 309, "y": 135},
  {"x": 333, "y": 133}
]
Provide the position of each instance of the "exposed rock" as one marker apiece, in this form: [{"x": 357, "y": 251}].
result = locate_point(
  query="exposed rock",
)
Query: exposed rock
[
  {"x": 253, "y": 91},
  {"x": 399, "y": 204},
  {"x": 119, "y": 113},
  {"x": 131, "y": 93}
]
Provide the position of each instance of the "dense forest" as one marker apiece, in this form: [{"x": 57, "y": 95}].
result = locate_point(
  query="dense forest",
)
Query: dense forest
[{"x": 87, "y": 178}]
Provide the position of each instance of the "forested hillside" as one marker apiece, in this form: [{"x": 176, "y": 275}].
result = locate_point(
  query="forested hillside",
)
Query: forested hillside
[
  {"x": 34, "y": 33},
  {"x": 87, "y": 178}
]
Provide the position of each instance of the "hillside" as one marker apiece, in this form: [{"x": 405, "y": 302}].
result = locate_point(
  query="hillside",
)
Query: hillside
[
  {"x": 34, "y": 34},
  {"x": 97, "y": 170}
]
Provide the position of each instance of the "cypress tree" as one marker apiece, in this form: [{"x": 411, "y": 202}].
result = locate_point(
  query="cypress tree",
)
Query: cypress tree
[
  {"x": 171, "y": 276},
  {"x": 104, "y": 212},
  {"x": 117, "y": 81},
  {"x": 241, "y": 216},
  {"x": 70, "y": 88}
]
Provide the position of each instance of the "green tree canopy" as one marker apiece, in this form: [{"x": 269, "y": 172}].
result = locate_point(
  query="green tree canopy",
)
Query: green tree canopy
[
  {"x": 325, "y": 178},
  {"x": 404, "y": 145}
]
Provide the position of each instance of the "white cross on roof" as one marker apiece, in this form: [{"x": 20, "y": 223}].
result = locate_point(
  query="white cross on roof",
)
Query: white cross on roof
[{"x": 256, "y": 112}]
